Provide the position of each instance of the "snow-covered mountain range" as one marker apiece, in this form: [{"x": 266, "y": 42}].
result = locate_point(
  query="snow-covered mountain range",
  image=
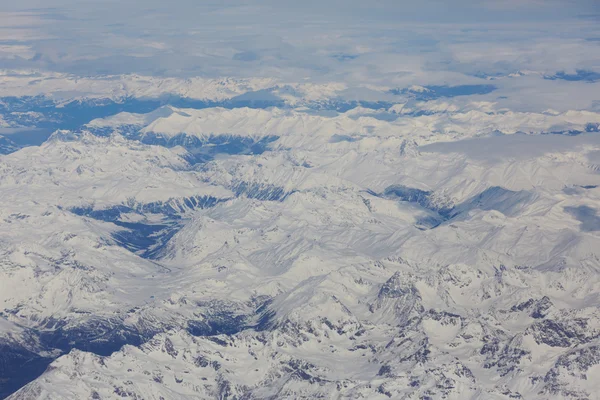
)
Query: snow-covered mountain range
[{"x": 294, "y": 243}]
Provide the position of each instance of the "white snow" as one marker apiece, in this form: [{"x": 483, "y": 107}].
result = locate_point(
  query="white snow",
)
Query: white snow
[{"x": 477, "y": 289}]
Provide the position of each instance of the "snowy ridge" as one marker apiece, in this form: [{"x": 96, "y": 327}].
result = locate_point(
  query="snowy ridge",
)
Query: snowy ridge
[
  {"x": 64, "y": 88},
  {"x": 296, "y": 126},
  {"x": 69, "y": 87}
]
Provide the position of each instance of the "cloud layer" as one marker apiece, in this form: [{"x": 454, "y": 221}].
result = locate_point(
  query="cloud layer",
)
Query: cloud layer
[{"x": 390, "y": 43}]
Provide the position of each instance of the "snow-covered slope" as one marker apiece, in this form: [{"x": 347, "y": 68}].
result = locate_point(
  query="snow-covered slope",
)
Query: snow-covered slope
[
  {"x": 66, "y": 87},
  {"x": 297, "y": 126},
  {"x": 358, "y": 254}
]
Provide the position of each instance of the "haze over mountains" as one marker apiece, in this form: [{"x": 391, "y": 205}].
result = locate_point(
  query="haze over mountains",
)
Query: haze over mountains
[{"x": 356, "y": 213}]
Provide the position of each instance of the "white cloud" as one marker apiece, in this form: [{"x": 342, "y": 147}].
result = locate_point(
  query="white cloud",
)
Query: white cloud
[{"x": 394, "y": 43}]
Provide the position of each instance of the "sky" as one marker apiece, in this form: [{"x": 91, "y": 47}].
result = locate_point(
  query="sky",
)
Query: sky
[{"x": 370, "y": 42}]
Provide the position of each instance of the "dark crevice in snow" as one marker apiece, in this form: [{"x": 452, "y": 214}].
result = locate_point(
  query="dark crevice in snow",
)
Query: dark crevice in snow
[
  {"x": 156, "y": 223},
  {"x": 18, "y": 367},
  {"x": 495, "y": 198},
  {"x": 426, "y": 93},
  {"x": 105, "y": 336},
  {"x": 146, "y": 236},
  {"x": 22, "y": 363},
  {"x": 260, "y": 191}
]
